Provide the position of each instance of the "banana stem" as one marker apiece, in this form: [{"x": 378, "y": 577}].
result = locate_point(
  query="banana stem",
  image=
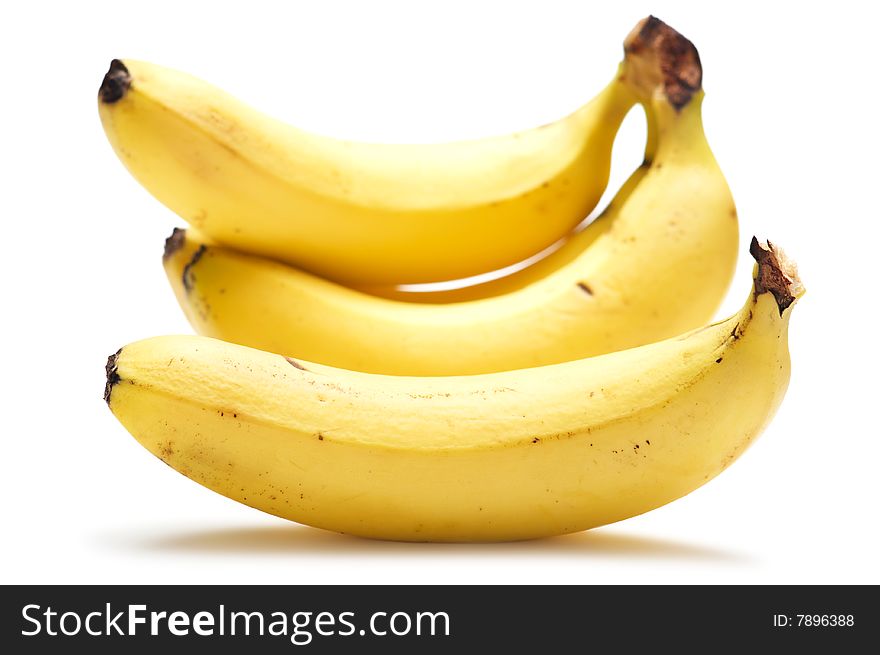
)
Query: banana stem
[
  {"x": 776, "y": 274},
  {"x": 652, "y": 137},
  {"x": 658, "y": 61},
  {"x": 678, "y": 132}
]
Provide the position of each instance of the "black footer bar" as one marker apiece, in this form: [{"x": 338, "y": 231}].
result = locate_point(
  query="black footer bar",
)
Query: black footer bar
[{"x": 333, "y": 619}]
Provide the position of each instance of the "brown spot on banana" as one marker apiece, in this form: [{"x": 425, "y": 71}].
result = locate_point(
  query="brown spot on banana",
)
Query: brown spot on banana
[
  {"x": 198, "y": 219},
  {"x": 583, "y": 286},
  {"x": 166, "y": 451},
  {"x": 295, "y": 364}
]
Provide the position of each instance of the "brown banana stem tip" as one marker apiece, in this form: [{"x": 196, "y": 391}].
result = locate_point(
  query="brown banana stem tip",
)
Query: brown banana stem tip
[
  {"x": 658, "y": 56},
  {"x": 116, "y": 82},
  {"x": 777, "y": 274},
  {"x": 174, "y": 243},
  {"x": 112, "y": 375}
]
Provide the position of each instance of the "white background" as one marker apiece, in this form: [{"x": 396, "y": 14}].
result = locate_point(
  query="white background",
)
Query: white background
[{"x": 791, "y": 114}]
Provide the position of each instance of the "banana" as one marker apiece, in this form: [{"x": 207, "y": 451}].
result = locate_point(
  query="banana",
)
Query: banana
[
  {"x": 502, "y": 456},
  {"x": 657, "y": 265},
  {"x": 545, "y": 266},
  {"x": 360, "y": 213}
]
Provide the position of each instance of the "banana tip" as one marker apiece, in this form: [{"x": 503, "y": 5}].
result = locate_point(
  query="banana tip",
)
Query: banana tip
[
  {"x": 112, "y": 375},
  {"x": 776, "y": 274},
  {"x": 174, "y": 243},
  {"x": 115, "y": 84},
  {"x": 658, "y": 56}
]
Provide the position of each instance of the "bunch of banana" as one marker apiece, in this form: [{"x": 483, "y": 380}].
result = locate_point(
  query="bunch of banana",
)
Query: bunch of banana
[{"x": 576, "y": 392}]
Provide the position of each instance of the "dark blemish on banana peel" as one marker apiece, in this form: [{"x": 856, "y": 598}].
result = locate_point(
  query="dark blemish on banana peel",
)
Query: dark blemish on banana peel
[
  {"x": 166, "y": 451},
  {"x": 295, "y": 364},
  {"x": 187, "y": 276},
  {"x": 583, "y": 286}
]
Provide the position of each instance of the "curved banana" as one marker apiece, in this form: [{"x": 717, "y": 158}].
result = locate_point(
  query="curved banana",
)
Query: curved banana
[
  {"x": 357, "y": 212},
  {"x": 657, "y": 265},
  {"x": 502, "y": 456},
  {"x": 563, "y": 254}
]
